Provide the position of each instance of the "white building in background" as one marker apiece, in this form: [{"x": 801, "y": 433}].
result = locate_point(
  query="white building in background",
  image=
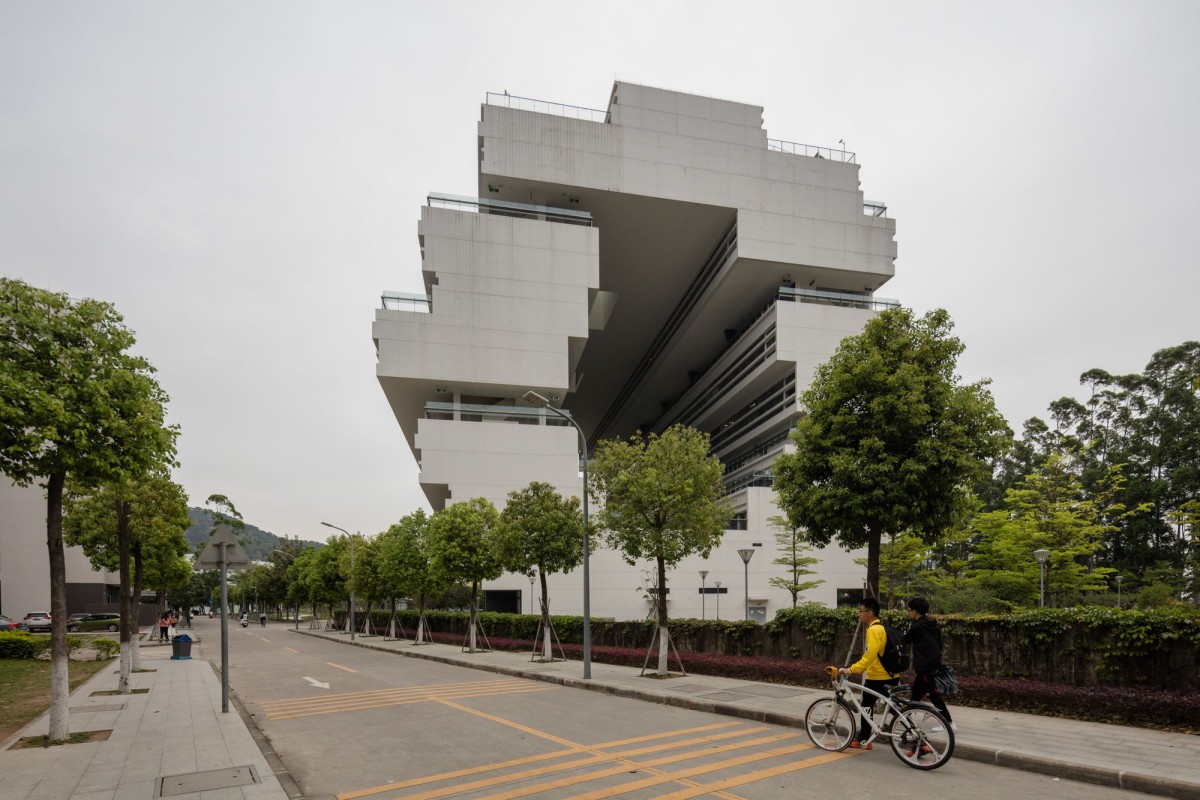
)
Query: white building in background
[
  {"x": 25, "y": 562},
  {"x": 657, "y": 262}
]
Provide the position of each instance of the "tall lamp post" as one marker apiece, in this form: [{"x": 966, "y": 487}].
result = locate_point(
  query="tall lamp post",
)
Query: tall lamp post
[
  {"x": 703, "y": 575},
  {"x": 351, "y": 538},
  {"x": 746, "y": 553},
  {"x": 532, "y": 578},
  {"x": 1119, "y": 579},
  {"x": 718, "y": 585},
  {"x": 535, "y": 399},
  {"x": 1041, "y": 556}
]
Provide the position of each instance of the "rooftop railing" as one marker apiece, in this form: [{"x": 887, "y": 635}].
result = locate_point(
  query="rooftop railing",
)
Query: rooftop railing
[
  {"x": 506, "y": 100},
  {"x": 810, "y": 150},
  {"x": 874, "y": 208},
  {"x": 508, "y": 208},
  {"x": 401, "y": 301},
  {"x": 844, "y": 299}
]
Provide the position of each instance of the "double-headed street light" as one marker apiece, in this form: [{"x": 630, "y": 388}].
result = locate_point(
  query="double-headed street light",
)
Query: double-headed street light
[
  {"x": 1041, "y": 556},
  {"x": 351, "y": 538},
  {"x": 535, "y": 399},
  {"x": 747, "y": 553}
]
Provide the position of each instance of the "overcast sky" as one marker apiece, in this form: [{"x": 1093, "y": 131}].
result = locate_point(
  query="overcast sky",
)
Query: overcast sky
[{"x": 242, "y": 180}]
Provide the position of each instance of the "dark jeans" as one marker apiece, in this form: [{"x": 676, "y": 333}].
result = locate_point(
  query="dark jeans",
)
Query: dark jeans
[
  {"x": 868, "y": 701},
  {"x": 162, "y": 633},
  {"x": 923, "y": 685}
]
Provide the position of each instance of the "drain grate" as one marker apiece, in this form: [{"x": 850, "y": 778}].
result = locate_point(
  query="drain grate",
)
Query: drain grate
[
  {"x": 90, "y": 709},
  {"x": 206, "y": 781}
]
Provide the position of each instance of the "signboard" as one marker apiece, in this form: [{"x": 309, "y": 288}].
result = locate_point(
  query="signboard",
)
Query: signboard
[{"x": 235, "y": 555}]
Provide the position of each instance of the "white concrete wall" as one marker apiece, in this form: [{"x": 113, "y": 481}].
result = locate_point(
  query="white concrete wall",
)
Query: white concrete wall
[{"x": 24, "y": 560}]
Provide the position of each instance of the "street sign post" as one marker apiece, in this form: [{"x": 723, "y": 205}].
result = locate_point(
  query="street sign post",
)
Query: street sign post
[{"x": 224, "y": 552}]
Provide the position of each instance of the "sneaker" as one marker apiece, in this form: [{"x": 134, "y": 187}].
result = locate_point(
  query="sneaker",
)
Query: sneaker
[
  {"x": 953, "y": 727},
  {"x": 924, "y": 751},
  {"x": 856, "y": 745}
]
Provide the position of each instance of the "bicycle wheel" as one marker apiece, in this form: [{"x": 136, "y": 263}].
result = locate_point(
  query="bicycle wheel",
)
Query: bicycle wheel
[
  {"x": 830, "y": 724},
  {"x": 922, "y": 738}
]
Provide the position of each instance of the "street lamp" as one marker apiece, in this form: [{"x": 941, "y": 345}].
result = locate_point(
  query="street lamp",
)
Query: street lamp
[
  {"x": 1041, "y": 556},
  {"x": 343, "y": 530},
  {"x": 746, "y": 553},
  {"x": 535, "y": 399},
  {"x": 1119, "y": 579},
  {"x": 532, "y": 578},
  {"x": 718, "y": 584},
  {"x": 703, "y": 575}
]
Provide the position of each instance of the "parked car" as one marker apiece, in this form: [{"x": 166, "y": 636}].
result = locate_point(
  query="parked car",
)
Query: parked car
[
  {"x": 7, "y": 624},
  {"x": 107, "y": 621},
  {"x": 37, "y": 621},
  {"x": 76, "y": 617}
]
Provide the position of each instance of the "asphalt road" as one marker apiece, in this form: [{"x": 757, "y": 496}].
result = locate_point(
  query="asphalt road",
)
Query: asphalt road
[{"x": 394, "y": 727}]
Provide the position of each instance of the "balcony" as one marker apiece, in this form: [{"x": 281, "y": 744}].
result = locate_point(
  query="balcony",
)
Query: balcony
[
  {"x": 400, "y": 301},
  {"x": 471, "y": 412},
  {"x": 506, "y": 208}
]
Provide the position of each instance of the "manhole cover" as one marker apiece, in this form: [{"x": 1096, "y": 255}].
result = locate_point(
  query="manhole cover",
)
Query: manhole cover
[{"x": 206, "y": 781}]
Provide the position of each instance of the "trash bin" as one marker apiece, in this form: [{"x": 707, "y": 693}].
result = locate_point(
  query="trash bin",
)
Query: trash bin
[{"x": 181, "y": 648}]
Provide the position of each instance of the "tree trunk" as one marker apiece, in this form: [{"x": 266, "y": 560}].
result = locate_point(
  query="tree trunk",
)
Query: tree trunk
[
  {"x": 127, "y": 622},
  {"x": 135, "y": 628},
  {"x": 661, "y": 600},
  {"x": 874, "y": 539},
  {"x": 59, "y": 655},
  {"x": 547, "y": 648},
  {"x": 420, "y": 618},
  {"x": 471, "y": 623}
]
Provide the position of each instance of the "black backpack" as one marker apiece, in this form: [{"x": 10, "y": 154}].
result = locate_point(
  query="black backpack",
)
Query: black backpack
[{"x": 894, "y": 658}]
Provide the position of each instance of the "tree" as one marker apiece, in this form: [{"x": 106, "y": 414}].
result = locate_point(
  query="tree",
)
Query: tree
[
  {"x": 406, "y": 564},
  {"x": 73, "y": 403},
  {"x": 889, "y": 440},
  {"x": 1047, "y": 511},
  {"x": 661, "y": 499},
  {"x": 114, "y": 521},
  {"x": 465, "y": 550},
  {"x": 793, "y": 556},
  {"x": 541, "y": 531}
]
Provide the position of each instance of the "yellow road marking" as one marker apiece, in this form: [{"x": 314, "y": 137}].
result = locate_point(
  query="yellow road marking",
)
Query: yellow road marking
[
  {"x": 384, "y": 703},
  {"x": 419, "y": 690},
  {"x": 339, "y": 666},
  {"x": 729, "y": 783},
  {"x": 502, "y": 721},
  {"x": 633, "y": 786},
  {"x": 265, "y": 639},
  {"x": 516, "y": 762},
  {"x": 290, "y": 650}
]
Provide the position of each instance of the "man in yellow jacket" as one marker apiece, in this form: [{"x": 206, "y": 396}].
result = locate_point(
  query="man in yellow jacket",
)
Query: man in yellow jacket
[{"x": 877, "y": 678}]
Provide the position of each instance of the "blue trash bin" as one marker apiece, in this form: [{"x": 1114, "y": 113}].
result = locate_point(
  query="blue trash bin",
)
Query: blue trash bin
[{"x": 181, "y": 648}]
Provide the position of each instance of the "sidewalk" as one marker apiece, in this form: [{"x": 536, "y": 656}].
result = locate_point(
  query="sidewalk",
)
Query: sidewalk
[
  {"x": 177, "y": 729},
  {"x": 1139, "y": 759}
]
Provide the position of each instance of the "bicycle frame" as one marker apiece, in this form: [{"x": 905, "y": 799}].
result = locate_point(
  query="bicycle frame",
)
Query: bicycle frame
[{"x": 844, "y": 689}]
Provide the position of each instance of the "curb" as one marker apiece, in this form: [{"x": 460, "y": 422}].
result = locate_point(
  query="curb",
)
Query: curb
[{"x": 1055, "y": 768}]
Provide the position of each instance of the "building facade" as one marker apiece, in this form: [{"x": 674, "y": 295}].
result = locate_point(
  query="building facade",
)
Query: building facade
[
  {"x": 656, "y": 262},
  {"x": 25, "y": 562}
]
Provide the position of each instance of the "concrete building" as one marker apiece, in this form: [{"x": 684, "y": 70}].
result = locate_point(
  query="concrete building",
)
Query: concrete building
[
  {"x": 25, "y": 562},
  {"x": 659, "y": 261}
]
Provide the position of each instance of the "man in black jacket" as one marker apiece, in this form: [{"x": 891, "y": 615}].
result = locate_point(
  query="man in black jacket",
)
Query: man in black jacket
[{"x": 926, "y": 640}]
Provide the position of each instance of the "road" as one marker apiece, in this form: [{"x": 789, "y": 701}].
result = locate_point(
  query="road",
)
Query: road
[{"x": 405, "y": 728}]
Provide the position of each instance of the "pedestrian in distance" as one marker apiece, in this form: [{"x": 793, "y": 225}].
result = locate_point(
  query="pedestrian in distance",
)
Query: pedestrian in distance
[
  {"x": 262, "y": 618},
  {"x": 925, "y": 637},
  {"x": 876, "y": 677},
  {"x": 163, "y": 624}
]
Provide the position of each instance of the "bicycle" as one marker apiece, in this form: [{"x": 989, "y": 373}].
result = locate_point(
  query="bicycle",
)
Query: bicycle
[{"x": 920, "y": 736}]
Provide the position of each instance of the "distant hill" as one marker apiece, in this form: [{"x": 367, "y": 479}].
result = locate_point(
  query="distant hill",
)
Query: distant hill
[{"x": 258, "y": 543}]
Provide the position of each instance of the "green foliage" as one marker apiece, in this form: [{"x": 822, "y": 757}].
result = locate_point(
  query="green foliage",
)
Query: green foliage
[
  {"x": 22, "y": 644},
  {"x": 464, "y": 547},
  {"x": 105, "y": 648},
  {"x": 259, "y": 544},
  {"x": 789, "y": 541},
  {"x": 540, "y": 532},
  {"x": 406, "y": 559},
  {"x": 820, "y": 623},
  {"x": 889, "y": 438},
  {"x": 1048, "y": 510}
]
